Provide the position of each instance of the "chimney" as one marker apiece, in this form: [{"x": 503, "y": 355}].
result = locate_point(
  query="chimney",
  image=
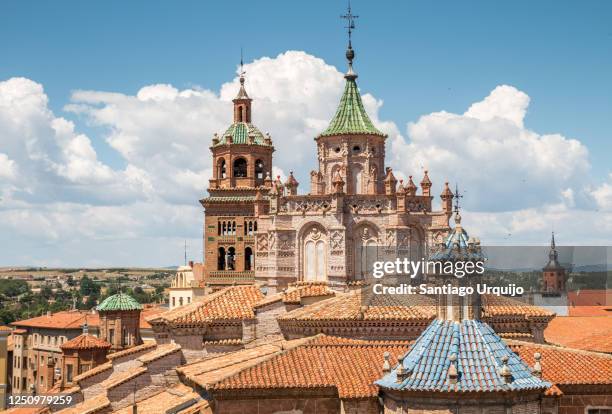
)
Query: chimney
[
  {"x": 49, "y": 313},
  {"x": 191, "y": 264},
  {"x": 386, "y": 365}
]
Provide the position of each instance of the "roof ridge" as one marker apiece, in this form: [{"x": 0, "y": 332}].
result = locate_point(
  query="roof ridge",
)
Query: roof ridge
[{"x": 558, "y": 348}]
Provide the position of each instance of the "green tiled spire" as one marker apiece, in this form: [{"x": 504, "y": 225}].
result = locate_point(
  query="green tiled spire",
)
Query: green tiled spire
[
  {"x": 351, "y": 117},
  {"x": 119, "y": 302}
]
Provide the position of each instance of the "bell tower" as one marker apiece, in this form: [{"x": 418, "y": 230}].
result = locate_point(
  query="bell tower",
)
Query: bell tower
[{"x": 238, "y": 189}]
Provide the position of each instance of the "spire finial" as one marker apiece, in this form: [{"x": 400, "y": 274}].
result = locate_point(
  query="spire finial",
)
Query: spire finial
[
  {"x": 350, "y": 53},
  {"x": 242, "y": 72},
  {"x": 552, "y": 241},
  {"x": 458, "y": 196}
]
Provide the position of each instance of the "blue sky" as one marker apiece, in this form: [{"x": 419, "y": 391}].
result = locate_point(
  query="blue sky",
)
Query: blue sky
[
  {"x": 418, "y": 56},
  {"x": 120, "y": 185}
]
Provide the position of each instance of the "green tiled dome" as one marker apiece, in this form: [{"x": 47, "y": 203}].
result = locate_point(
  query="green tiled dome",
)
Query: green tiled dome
[
  {"x": 351, "y": 117},
  {"x": 240, "y": 131},
  {"x": 119, "y": 302}
]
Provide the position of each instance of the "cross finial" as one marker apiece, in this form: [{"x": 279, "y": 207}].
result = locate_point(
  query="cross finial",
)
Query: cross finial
[
  {"x": 350, "y": 26},
  {"x": 242, "y": 72},
  {"x": 457, "y": 197}
]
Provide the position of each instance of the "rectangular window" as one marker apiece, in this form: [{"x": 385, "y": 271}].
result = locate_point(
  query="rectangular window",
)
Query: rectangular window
[
  {"x": 69, "y": 373},
  {"x": 111, "y": 336},
  {"x": 600, "y": 410}
]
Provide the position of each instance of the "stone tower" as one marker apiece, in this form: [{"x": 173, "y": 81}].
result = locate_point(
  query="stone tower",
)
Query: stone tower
[
  {"x": 351, "y": 147},
  {"x": 120, "y": 321},
  {"x": 238, "y": 190},
  {"x": 553, "y": 274}
]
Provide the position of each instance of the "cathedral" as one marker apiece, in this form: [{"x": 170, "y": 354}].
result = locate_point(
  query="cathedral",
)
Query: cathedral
[{"x": 259, "y": 229}]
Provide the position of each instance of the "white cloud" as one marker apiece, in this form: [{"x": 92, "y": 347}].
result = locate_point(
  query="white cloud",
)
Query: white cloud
[
  {"x": 500, "y": 164},
  {"x": 603, "y": 195}
]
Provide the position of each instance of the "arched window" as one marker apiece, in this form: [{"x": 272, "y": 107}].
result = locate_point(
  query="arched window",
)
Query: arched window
[
  {"x": 240, "y": 168},
  {"x": 248, "y": 257},
  {"x": 315, "y": 261},
  {"x": 357, "y": 180},
  {"x": 255, "y": 226},
  {"x": 231, "y": 258},
  {"x": 233, "y": 228},
  {"x": 218, "y": 228},
  {"x": 366, "y": 251},
  {"x": 221, "y": 259},
  {"x": 259, "y": 169},
  {"x": 240, "y": 113},
  {"x": 221, "y": 172},
  {"x": 181, "y": 301}
]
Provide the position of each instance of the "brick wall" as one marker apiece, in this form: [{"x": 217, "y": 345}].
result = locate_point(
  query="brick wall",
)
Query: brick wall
[
  {"x": 365, "y": 406},
  {"x": 577, "y": 404},
  {"x": 90, "y": 387},
  {"x": 137, "y": 388},
  {"x": 280, "y": 406}
]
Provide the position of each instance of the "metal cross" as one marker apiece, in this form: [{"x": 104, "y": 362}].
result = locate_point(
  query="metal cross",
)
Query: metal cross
[
  {"x": 457, "y": 197},
  {"x": 350, "y": 20}
]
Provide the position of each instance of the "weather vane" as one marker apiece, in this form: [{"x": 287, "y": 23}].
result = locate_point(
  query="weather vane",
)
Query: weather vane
[
  {"x": 350, "y": 20},
  {"x": 457, "y": 197}
]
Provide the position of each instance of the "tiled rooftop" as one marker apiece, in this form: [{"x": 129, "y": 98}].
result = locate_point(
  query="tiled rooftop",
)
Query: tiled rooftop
[
  {"x": 231, "y": 303},
  {"x": 473, "y": 350},
  {"x": 591, "y": 333},
  {"x": 351, "y": 306},
  {"x": 119, "y": 302},
  {"x": 133, "y": 350},
  {"x": 86, "y": 341},
  {"x": 89, "y": 406},
  {"x": 500, "y": 306},
  {"x": 160, "y": 352},
  {"x": 351, "y": 366},
  {"x": 61, "y": 320},
  {"x": 165, "y": 401},
  {"x": 295, "y": 292},
  {"x": 563, "y": 366},
  {"x": 94, "y": 371},
  {"x": 122, "y": 377}
]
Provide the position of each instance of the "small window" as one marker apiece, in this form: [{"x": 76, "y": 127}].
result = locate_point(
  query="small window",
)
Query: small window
[
  {"x": 337, "y": 149},
  {"x": 356, "y": 148}
]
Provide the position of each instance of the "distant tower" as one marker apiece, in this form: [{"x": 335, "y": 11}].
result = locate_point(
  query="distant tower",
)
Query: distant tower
[
  {"x": 553, "y": 274},
  {"x": 120, "y": 321},
  {"x": 242, "y": 159}
]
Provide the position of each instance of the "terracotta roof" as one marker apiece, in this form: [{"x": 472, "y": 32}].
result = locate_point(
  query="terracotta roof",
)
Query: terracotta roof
[
  {"x": 231, "y": 303},
  {"x": 133, "y": 350},
  {"x": 295, "y": 292},
  {"x": 89, "y": 406},
  {"x": 5, "y": 329},
  {"x": 165, "y": 401},
  {"x": 350, "y": 367},
  {"x": 61, "y": 320},
  {"x": 149, "y": 312},
  {"x": 591, "y": 333},
  {"x": 160, "y": 352},
  {"x": 563, "y": 366},
  {"x": 211, "y": 369},
  {"x": 19, "y": 331},
  {"x": 501, "y": 306},
  {"x": 86, "y": 341},
  {"x": 202, "y": 407},
  {"x": 228, "y": 341},
  {"x": 94, "y": 371},
  {"x": 122, "y": 377},
  {"x": 590, "y": 302},
  {"x": 360, "y": 304}
]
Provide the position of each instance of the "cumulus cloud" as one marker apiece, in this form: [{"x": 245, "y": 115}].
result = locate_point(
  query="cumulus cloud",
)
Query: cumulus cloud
[{"x": 499, "y": 163}]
